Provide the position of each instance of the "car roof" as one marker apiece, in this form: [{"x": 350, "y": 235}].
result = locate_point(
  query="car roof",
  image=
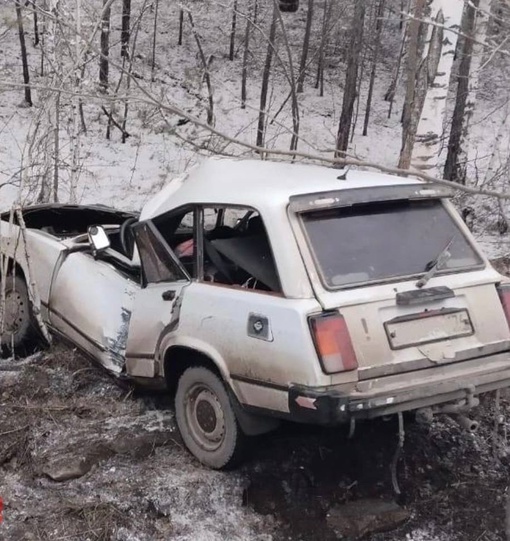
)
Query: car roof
[{"x": 260, "y": 184}]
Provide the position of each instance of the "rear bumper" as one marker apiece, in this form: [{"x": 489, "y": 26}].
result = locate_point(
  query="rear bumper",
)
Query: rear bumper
[{"x": 407, "y": 392}]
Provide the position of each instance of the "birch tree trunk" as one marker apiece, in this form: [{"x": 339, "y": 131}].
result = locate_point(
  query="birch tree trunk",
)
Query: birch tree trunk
[
  {"x": 476, "y": 25},
  {"x": 442, "y": 43},
  {"x": 351, "y": 79},
  {"x": 415, "y": 44}
]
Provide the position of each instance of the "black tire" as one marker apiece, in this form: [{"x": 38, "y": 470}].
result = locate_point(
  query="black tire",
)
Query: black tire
[
  {"x": 21, "y": 333},
  {"x": 206, "y": 419}
]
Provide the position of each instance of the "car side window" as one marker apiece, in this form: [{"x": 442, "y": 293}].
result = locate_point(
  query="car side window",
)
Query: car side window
[
  {"x": 158, "y": 265},
  {"x": 236, "y": 249}
]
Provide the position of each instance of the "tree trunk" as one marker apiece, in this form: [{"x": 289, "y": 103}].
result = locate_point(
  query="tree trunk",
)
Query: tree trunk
[
  {"x": 319, "y": 81},
  {"x": 247, "y": 35},
  {"x": 181, "y": 25},
  {"x": 475, "y": 25},
  {"x": 24, "y": 56},
  {"x": 105, "y": 46},
  {"x": 233, "y": 31},
  {"x": 375, "y": 58},
  {"x": 207, "y": 76},
  {"x": 126, "y": 28},
  {"x": 154, "y": 34},
  {"x": 56, "y": 147},
  {"x": 306, "y": 47},
  {"x": 76, "y": 112},
  {"x": 36, "y": 24},
  {"x": 265, "y": 81},
  {"x": 351, "y": 79},
  {"x": 414, "y": 50},
  {"x": 441, "y": 52}
]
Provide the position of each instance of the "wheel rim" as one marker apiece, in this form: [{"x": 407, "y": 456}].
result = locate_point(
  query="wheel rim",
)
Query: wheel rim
[
  {"x": 205, "y": 417},
  {"x": 15, "y": 311}
]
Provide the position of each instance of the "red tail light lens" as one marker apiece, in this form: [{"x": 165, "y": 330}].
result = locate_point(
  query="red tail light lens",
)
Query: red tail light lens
[
  {"x": 333, "y": 343},
  {"x": 504, "y": 297}
]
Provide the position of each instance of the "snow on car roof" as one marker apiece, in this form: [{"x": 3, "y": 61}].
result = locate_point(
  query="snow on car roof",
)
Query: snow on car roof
[{"x": 260, "y": 184}]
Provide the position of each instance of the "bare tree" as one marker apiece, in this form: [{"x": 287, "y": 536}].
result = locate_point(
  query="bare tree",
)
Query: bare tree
[
  {"x": 375, "y": 57},
  {"x": 265, "y": 80},
  {"x": 246, "y": 50},
  {"x": 440, "y": 51},
  {"x": 126, "y": 30},
  {"x": 233, "y": 31},
  {"x": 24, "y": 56},
  {"x": 415, "y": 45},
  {"x": 475, "y": 25},
  {"x": 36, "y": 23},
  {"x": 154, "y": 33},
  {"x": 319, "y": 81},
  {"x": 207, "y": 75},
  {"x": 105, "y": 45},
  {"x": 351, "y": 79},
  {"x": 306, "y": 47},
  {"x": 181, "y": 26}
]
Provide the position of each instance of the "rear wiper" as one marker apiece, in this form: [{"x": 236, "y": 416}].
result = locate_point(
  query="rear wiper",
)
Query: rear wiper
[{"x": 436, "y": 264}]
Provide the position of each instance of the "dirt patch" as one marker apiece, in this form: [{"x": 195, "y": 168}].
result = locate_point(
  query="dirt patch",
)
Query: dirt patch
[{"x": 84, "y": 458}]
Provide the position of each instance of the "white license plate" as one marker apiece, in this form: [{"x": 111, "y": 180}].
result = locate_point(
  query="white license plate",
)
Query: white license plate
[{"x": 428, "y": 327}]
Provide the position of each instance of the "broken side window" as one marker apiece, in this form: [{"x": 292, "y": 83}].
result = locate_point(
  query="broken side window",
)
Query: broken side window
[
  {"x": 157, "y": 262},
  {"x": 178, "y": 230},
  {"x": 237, "y": 251}
]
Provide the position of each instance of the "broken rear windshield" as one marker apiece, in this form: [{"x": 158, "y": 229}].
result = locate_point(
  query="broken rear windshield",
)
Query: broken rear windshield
[{"x": 381, "y": 241}]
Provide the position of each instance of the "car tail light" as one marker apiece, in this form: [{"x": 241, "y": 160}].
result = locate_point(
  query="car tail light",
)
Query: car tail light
[
  {"x": 504, "y": 297},
  {"x": 333, "y": 343}
]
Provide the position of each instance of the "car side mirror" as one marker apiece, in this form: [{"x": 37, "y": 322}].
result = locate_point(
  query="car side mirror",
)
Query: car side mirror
[{"x": 98, "y": 238}]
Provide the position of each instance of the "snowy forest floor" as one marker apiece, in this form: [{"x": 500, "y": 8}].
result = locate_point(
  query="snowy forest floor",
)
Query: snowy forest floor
[
  {"x": 59, "y": 413},
  {"x": 62, "y": 416}
]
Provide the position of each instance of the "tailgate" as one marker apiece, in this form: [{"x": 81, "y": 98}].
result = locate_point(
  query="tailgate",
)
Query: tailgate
[{"x": 390, "y": 338}]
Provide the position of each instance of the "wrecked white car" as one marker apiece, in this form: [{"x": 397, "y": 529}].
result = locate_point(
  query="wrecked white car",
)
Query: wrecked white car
[{"x": 258, "y": 291}]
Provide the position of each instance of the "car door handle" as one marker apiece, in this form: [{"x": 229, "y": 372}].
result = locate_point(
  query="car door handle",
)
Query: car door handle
[{"x": 168, "y": 295}]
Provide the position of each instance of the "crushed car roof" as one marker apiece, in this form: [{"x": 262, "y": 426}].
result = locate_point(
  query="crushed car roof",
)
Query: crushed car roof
[{"x": 257, "y": 183}]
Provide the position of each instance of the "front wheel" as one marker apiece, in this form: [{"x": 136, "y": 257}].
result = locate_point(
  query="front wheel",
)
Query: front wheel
[
  {"x": 206, "y": 419},
  {"x": 19, "y": 331}
]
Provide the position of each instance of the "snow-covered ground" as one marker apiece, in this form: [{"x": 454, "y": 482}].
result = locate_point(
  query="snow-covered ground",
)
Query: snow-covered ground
[{"x": 126, "y": 175}]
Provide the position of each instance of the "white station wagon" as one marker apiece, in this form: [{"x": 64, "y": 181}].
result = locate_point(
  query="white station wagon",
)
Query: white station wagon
[{"x": 257, "y": 291}]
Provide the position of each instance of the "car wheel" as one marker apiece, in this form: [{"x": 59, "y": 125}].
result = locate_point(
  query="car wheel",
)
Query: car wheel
[
  {"x": 20, "y": 333},
  {"x": 206, "y": 419}
]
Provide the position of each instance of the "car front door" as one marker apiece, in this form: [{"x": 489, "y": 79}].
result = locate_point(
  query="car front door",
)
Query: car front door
[
  {"x": 157, "y": 304},
  {"x": 91, "y": 302}
]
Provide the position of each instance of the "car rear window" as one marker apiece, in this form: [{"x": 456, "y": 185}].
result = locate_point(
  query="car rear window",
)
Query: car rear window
[{"x": 381, "y": 241}]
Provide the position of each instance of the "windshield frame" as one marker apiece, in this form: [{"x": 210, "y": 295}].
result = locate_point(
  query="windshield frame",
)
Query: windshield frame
[{"x": 461, "y": 229}]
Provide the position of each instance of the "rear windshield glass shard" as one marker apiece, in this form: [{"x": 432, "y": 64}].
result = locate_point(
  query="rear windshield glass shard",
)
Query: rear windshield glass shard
[{"x": 383, "y": 241}]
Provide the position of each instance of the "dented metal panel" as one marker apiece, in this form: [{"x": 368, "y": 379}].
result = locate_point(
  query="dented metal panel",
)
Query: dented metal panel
[{"x": 91, "y": 302}]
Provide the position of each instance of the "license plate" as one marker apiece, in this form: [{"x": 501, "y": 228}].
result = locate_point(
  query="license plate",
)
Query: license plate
[{"x": 427, "y": 327}]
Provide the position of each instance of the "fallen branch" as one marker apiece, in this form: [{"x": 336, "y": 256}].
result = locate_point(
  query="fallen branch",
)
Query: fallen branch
[{"x": 124, "y": 133}]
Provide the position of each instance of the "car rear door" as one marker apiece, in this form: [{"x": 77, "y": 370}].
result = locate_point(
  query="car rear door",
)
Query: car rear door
[{"x": 157, "y": 304}]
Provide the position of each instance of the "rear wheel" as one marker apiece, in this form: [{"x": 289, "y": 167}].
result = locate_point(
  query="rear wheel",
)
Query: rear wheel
[
  {"x": 206, "y": 419},
  {"x": 20, "y": 333}
]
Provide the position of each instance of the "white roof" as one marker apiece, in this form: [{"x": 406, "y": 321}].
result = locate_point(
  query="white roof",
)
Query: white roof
[{"x": 259, "y": 184}]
